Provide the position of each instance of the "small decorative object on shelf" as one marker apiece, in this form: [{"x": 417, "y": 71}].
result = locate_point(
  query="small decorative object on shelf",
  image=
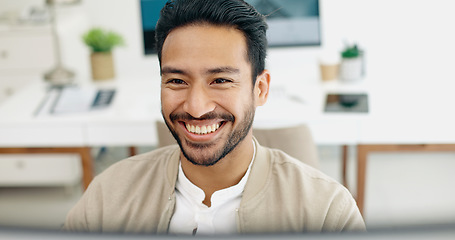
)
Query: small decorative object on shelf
[
  {"x": 351, "y": 67},
  {"x": 101, "y": 43}
]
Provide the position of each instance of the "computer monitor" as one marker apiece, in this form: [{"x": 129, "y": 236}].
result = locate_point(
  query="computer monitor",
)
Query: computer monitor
[
  {"x": 291, "y": 22},
  {"x": 150, "y": 12}
]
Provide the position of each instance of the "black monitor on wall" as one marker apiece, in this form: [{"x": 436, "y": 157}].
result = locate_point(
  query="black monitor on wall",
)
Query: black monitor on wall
[{"x": 291, "y": 22}]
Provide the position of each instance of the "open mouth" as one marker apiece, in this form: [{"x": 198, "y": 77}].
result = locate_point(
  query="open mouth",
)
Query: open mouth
[{"x": 204, "y": 129}]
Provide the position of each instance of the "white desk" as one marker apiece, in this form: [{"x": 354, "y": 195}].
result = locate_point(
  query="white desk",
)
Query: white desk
[
  {"x": 129, "y": 121},
  {"x": 401, "y": 118}
]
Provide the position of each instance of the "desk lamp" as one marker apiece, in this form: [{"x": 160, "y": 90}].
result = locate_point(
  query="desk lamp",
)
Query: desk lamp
[{"x": 58, "y": 76}]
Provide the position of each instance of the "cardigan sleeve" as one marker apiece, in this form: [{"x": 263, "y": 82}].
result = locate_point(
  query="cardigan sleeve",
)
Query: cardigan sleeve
[
  {"x": 350, "y": 218},
  {"x": 86, "y": 215}
]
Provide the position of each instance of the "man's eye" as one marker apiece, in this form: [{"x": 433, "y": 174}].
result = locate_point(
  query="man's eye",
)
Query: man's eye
[
  {"x": 221, "y": 80},
  {"x": 176, "y": 81}
]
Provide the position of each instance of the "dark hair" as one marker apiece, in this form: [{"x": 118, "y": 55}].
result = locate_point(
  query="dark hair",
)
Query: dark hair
[{"x": 233, "y": 13}]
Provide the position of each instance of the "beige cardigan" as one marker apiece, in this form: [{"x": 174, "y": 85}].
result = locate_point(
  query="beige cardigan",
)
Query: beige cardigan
[{"x": 282, "y": 194}]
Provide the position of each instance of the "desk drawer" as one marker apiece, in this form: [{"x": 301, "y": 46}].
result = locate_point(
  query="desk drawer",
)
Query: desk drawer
[
  {"x": 40, "y": 169},
  {"x": 44, "y": 134}
]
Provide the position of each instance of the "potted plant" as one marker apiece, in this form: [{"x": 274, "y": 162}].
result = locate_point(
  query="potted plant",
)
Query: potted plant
[
  {"x": 101, "y": 43},
  {"x": 351, "y": 67}
]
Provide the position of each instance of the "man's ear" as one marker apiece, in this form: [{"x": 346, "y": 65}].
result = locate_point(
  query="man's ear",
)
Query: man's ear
[{"x": 261, "y": 88}]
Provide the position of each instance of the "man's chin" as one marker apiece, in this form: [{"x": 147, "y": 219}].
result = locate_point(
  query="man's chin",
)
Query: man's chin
[
  {"x": 201, "y": 160},
  {"x": 201, "y": 154},
  {"x": 199, "y": 145}
]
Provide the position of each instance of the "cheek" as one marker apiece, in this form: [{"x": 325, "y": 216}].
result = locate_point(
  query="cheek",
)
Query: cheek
[
  {"x": 236, "y": 104},
  {"x": 169, "y": 102}
]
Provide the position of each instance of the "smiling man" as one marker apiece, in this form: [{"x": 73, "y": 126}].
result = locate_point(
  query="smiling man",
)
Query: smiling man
[
  {"x": 208, "y": 102},
  {"x": 218, "y": 180},
  {"x": 207, "y": 95}
]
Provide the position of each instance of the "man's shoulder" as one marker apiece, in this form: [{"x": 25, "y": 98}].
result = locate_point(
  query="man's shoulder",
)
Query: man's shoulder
[
  {"x": 282, "y": 161},
  {"x": 293, "y": 190},
  {"x": 286, "y": 168},
  {"x": 131, "y": 194}
]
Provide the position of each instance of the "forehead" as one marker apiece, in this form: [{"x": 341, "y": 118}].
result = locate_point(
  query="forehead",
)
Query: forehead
[{"x": 205, "y": 45}]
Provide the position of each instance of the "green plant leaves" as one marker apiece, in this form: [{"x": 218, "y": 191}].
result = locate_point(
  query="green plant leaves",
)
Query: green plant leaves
[
  {"x": 100, "y": 40},
  {"x": 351, "y": 52}
]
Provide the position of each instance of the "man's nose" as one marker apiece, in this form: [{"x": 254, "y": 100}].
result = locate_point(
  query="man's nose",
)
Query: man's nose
[{"x": 198, "y": 102}]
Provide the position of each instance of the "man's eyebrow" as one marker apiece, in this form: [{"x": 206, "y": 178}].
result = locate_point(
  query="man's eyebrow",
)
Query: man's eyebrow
[
  {"x": 173, "y": 70},
  {"x": 223, "y": 70},
  {"x": 168, "y": 70}
]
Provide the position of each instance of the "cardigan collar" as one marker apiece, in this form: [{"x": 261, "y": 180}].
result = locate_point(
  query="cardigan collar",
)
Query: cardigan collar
[{"x": 256, "y": 181}]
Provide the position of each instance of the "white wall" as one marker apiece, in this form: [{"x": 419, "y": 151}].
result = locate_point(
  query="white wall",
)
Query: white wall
[{"x": 405, "y": 40}]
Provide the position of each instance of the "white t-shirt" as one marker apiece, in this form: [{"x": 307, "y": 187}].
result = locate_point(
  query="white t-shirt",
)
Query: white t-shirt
[{"x": 191, "y": 216}]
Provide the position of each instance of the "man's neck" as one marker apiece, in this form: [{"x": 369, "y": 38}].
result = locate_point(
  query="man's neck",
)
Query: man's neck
[{"x": 225, "y": 173}]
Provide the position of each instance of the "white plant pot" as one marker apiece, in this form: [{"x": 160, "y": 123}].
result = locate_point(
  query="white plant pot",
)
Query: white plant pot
[{"x": 351, "y": 69}]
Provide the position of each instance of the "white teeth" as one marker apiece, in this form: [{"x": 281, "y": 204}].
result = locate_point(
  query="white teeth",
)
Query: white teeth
[{"x": 202, "y": 129}]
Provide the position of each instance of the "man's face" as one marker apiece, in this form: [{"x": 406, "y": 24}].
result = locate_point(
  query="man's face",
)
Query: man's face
[{"x": 207, "y": 94}]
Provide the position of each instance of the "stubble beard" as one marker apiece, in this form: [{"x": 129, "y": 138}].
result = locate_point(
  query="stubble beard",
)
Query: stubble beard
[{"x": 197, "y": 153}]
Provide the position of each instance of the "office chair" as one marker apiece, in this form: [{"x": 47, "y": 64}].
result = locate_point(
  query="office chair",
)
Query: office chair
[{"x": 295, "y": 141}]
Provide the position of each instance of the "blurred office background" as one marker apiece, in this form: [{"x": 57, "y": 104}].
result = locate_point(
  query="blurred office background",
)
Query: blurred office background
[{"x": 405, "y": 42}]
